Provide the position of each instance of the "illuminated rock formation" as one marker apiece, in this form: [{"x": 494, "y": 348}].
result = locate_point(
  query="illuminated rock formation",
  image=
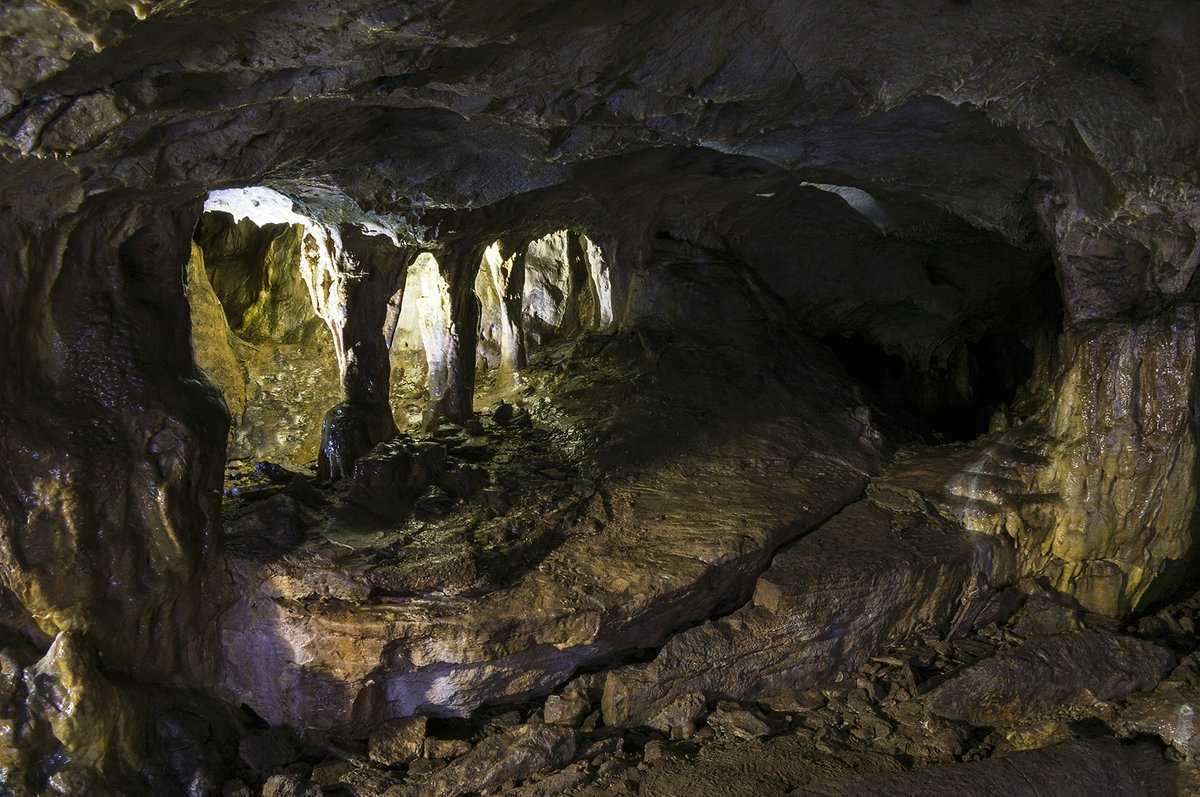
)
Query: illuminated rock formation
[{"x": 367, "y": 360}]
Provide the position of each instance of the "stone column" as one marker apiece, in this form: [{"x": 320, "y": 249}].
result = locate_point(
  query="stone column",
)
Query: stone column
[
  {"x": 511, "y": 296},
  {"x": 459, "y": 263},
  {"x": 374, "y": 269},
  {"x": 499, "y": 287},
  {"x": 1120, "y": 415},
  {"x": 1122, "y": 461}
]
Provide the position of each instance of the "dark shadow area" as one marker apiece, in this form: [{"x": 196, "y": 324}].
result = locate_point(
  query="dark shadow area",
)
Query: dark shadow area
[
  {"x": 942, "y": 404},
  {"x": 954, "y": 400}
]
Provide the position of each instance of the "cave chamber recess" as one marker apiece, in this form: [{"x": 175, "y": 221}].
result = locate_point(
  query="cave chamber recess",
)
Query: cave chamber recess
[{"x": 272, "y": 294}]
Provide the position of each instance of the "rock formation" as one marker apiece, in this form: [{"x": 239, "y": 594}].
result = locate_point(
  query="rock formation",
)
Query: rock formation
[{"x": 556, "y": 397}]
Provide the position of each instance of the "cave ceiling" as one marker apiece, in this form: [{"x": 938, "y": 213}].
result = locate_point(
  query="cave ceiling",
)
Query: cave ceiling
[{"x": 973, "y": 108}]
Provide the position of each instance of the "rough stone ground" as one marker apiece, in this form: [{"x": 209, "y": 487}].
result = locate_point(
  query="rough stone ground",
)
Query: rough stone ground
[
  {"x": 641, "y": 486},
  {"x": 1126, "y": 730},
  {"x": 1006, "y": 690}
]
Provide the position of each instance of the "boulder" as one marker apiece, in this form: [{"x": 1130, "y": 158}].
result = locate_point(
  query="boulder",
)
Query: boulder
[
  {"x": 397, "y": 742},
  {"x": 568, "y": 708},
  {"x": 742, "y": 723},
  {"x": 1046, "y": 676},
  {"x": 524, "y": 751},
  {"x": 868, "y": 576},
  {"x": 290, "y": 785},
  {"x": 349, "y": 431},
  {"x": 680, "y": 717}
]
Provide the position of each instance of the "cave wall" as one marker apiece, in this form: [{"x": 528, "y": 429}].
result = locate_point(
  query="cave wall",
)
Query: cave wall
[
  {"x": 113, "y": 450},
  {"x": 113, "y": 471}
]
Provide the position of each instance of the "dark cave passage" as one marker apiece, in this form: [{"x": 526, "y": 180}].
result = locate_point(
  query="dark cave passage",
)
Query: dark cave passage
[{"x": 979, "y": 389}]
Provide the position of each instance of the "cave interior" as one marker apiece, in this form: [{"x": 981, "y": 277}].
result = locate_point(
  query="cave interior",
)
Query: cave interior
[{"x": 553, "y": 397}]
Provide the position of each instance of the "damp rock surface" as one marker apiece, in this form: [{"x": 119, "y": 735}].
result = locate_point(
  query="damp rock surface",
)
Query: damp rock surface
[
  {"x": 483, "y": 601},
  {"x": 876, "y": 571},
  {"x": 718, "y": 261},
  {"x": 1045, "y": 675}
]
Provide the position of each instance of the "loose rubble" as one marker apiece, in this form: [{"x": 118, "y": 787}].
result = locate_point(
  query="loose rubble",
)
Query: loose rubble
[{"x": 1071, "y": 703}]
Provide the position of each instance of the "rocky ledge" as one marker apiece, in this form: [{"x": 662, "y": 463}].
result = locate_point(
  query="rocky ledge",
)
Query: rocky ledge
[
  {"x": 532, "y": 543},
  {"x": 994, "y": 688}
]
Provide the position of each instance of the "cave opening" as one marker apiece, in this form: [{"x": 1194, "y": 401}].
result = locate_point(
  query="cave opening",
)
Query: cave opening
[
  {"x": 980, "y": 386},
  {"x": 273, "y": 304},
  {"x": 977, "y": 371},
  {"x": 257, "y": 335},
  {"x": 552, "y": 290}
]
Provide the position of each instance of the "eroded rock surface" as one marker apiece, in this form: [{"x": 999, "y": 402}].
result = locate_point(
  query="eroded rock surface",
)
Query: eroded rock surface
[
  {"x": 874, "y": 573},
  {"x": 354, "y": 621},
  {"x": 939, "y": 190},
  {"x": 1050, "y": 675}
]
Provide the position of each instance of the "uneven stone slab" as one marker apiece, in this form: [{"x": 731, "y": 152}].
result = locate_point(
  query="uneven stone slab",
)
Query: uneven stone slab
[
  {"x": 1073, "y": 769},
  {"x": 870, "y": 575},
  {"x": 524, "y": 751},
  {"x": 1043, "y": 676},
  {"x": 702, "y": 483},
  {"x": 1170, "y": 712}
]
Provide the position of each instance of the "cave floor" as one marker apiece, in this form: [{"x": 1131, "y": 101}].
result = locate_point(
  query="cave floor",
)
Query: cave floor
[
  {"x": 722, "y": 592},
  {"x": 635, "y": 491},
  {"x": 911, "y": 719}
]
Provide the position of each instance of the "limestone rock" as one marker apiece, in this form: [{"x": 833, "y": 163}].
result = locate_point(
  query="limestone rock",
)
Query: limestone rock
[
  {"x": 349, "y": 431},
  {"x": 290, "y": 785},
  {"x": 278, "y": 370},
  {"x": 446, "y": 748},
  {"x": 1043, "y": 615},
  {"x": 1170, "y": 712},
  {"x": 556, "y": 784},
  {"x": 1130, "y": 547},
  {"x": 525, "y": 751},
  {"x": 865, "y": 577},
  {"x": 397, "y": 742},
  {"x": 679, "y": 717},
  {"x": 1142, "y": 461},
  {"x": 62, "y": 710},
  {"x": 357, "y": 777},
  {"x": 658, "y": 750},
  {"x": 1043, "y": 676},
  {"x": 602, "y": 748},
  {"x": 594, "y": 572},
  {"x": 389, "y": 478},
  {"x": 568, "y": 708},
  {"x": 742, "y": 723},
  {"x": 1076, "y": 768},
  {"x": 934, "y": 188},
  {"x": 85, "y": 712}
]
